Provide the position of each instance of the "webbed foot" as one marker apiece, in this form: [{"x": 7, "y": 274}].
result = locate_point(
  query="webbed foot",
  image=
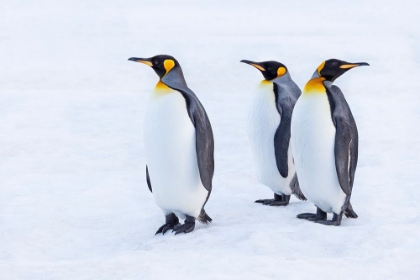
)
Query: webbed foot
[
  {"x": 336, "y": 220},
  {"x": 319, "y": 216},
  {"x": 279, "y": 200},
  {"x": 187, "y": 227},
  {"x": 164, "y": 228},
  {"x": 171, "y": 221}
]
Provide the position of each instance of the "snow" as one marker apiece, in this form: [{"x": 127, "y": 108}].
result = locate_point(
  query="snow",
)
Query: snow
[{"x": 74, "y": 203}]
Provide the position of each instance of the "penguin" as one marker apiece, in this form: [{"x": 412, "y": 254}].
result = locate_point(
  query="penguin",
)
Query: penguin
[
  {"x": 268, "y": 126},
  {"x": 325, "y": 144},
  {"x": 179, "y": 148}
]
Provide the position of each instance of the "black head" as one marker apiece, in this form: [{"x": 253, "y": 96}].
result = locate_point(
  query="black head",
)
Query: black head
[
  {"x": 269, "y": 69},
  {"x": 333, "y": 68},
  {"x": 162, "y": 64}
]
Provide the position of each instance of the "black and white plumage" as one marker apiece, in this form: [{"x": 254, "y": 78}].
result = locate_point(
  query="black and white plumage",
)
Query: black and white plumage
[
  {"x": 325, "y": 144},
  {"x": 268, "y": 124},
  {"x": 179, "y": 147}
]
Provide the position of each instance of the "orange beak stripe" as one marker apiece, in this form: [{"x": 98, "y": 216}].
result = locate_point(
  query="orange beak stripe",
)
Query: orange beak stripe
[
  {"x": 347, "y": 66},
  {"x": 258, "y": 67},
  {"x": 148, "y": 63}
]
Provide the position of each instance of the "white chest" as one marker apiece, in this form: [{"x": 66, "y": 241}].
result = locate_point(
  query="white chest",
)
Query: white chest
[
  {"x": 263, "y": 121},
  {"x": 170, "y": 147},
  {"x": 313, "y": 137}
]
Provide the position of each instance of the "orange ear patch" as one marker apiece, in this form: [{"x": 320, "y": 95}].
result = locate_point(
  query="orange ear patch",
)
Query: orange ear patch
[
  {"x": 320, "y": 67},
  {"x": 281, "y": 71},
  {"x": 168, "y": 64}
]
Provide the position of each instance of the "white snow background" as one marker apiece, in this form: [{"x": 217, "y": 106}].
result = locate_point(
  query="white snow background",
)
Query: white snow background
[{"x": 74, "y": 203}]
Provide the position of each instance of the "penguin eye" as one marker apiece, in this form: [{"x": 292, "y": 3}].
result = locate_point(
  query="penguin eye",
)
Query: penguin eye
[{"x": 156, "y": 62}]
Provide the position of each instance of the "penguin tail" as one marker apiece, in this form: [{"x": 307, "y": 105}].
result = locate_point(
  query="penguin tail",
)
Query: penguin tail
[
  {"x": 294, "y": 185},
  {"x": 349, "y": 212},
  {"x": 204, "y": 218}
]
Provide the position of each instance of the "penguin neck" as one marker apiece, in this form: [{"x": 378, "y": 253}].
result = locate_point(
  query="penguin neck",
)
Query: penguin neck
[
  {"x": 265, "y": 83},
  {"x": 162, "y": 88},
  {"x": 174, "y": 79},
  {"x": 315, "y": 86},
  {"x": 283, "y": 78}
]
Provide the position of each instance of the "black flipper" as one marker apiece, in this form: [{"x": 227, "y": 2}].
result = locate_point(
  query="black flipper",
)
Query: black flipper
[
  {"x": 285, "y": 107},
  {"x": 346, "y": 144},
  {"x": 346, "y": 139},
  {"x": 205, "y": 147},
  {"x": 149, "y": 184},
  {"x": 294, "y": 185},
  {"x": 342, "y": 154}
]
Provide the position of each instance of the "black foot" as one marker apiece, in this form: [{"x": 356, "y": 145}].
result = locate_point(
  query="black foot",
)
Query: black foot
[
  {"x": 336, "y": 221},
  {"x": 170, "y": 222},
  {"x": 279, "y": 200},
  {"x": 166, "y": 227},
  {"x": 187, "y": 227},
  {"x": 319, "y": 216}
]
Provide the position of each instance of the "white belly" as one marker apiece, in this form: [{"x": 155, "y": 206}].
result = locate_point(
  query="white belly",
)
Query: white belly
[
  {"x": 263, "y": 121},
  {"x": 170, "y": 146},
  {"x": 313, "y": 136}
]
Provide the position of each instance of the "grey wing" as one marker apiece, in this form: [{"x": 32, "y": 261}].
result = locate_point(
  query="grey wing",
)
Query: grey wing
[
  {"x": 346, "y": 141},
  {"x": 282, "y": 135},
  {"x": 343, "y": 154},
  {"x": 204, "y": 137},
  {"x": 149, "y": 184},
  {"x": 205, "y": 147}
]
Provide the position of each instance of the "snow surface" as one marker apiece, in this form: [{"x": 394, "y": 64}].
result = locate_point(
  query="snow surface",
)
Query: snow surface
[{"x": 73, "y": 197}]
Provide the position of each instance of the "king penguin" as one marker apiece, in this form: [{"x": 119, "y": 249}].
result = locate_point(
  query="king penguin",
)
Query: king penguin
[
  {"x": 268, "y": 126},
  {"x": 179, "y": 147},
  {"x": 325, "y": 144}
]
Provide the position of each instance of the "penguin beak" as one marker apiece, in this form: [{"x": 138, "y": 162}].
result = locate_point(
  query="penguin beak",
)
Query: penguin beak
[
  {"x": 255, "y": 64},
  {"x": 141, "y": 60},
  {"x": 352, "y": 65}
]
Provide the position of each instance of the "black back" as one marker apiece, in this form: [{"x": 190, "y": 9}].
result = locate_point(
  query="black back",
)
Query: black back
[
  {"x": 286, "y": 94},
  {"x": 346, "y": 139}
]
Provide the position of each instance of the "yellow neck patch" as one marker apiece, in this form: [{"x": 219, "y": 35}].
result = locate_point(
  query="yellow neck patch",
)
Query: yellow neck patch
[
  {"x": 161, "y": 88},
  {"x": 281, "y": 71},
  {"x": 168, "y": 64},
  {"x": 265, "y": 82},
  {"x": 315, "y": 85}
]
